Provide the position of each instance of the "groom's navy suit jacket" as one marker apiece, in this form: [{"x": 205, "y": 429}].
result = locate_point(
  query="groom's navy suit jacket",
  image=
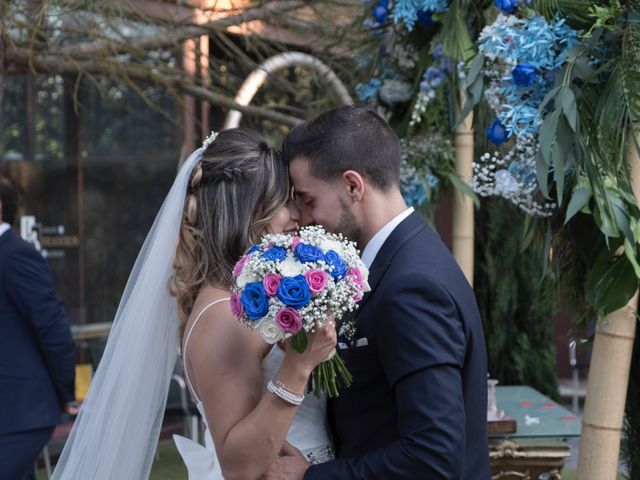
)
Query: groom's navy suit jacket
[
  {"x": 417, "y": 408},
  {"x": 37, "y": 366}
]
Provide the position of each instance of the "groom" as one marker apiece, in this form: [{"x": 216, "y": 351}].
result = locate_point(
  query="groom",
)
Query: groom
[{"x": 417, "y": 406}]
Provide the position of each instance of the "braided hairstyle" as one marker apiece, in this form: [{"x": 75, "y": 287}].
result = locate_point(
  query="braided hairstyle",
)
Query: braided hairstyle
[{"x": 234, "y": 191}]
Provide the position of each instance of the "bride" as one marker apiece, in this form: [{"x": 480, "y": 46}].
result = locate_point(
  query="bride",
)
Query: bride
[{"x": 229, "y": 192}]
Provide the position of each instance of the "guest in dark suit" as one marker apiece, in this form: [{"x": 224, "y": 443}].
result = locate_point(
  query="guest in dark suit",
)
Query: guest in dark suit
[
  {"x": 417, "y": 407},
  {"x": 37, "y": 366}
]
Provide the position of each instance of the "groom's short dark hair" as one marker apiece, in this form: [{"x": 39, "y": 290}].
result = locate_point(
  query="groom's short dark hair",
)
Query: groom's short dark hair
[{"x": 349, "y": 137}]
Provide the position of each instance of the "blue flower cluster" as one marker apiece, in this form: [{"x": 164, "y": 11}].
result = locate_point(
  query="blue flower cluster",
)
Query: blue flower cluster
[
  {"x": 275, "y": 254},
  {"x": 537, "y": 48},
  {"x": 293, "y": 292},
  {"x": 413, "y": 190},
  {"x": 533, "y": 41},
  {"x": 412, "y": 11},
  {"x": 311, "y": 254},
  {"x": 436, "y": 74}
]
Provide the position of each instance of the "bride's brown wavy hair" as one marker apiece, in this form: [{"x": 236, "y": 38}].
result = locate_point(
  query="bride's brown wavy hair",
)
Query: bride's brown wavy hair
[{"x": 234, "y": 191}]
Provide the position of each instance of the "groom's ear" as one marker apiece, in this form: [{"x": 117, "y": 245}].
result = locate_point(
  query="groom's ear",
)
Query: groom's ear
[{"x": 355, "y": 184}]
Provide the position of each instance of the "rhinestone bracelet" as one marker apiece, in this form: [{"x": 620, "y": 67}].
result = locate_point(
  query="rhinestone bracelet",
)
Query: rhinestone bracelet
[{"x": 279, "y": 389}]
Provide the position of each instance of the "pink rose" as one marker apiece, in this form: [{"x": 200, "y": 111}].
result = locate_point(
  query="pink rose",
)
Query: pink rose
[
  {"x": 271, "y": 282},
  {"x": 289, "y": 320},
  {"x": 358, "y": 296},
  {"x": 236, "y": 305},
  {"x": 317, "y": 280},
  {"x": 239, "y": 266},
  {"x": 294, "y": 243},
  {"x": 357, "y": 275}
]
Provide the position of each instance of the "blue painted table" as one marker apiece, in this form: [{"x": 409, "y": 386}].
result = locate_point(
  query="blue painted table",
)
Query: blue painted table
[{"x": 536, "y": 451}]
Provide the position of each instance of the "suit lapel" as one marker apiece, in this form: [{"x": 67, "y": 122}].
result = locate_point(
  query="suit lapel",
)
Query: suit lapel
[{"x": 406, "y": 230}]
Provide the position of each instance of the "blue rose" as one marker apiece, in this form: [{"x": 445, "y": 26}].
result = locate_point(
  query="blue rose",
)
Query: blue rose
[
  {"x": 255, "y": 248},
  {"x": 381, "y": 14},
  {"x": 507, "y": 6},
  {"x": 294, "y": 291},
  {"x": 308, "y": 253},
  {"x": 334, "y": 260},
  {"x": 524, "y": 74},
  {"x": 275, "y": 254},
  {"x": 497, "y": 132},
  {"x": 254, "y": 301}
]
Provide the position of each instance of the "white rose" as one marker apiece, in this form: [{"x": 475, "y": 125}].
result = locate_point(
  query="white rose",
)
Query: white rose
[
  {"x": 291, "y": 267},
  {"x": 245, "y": 277},
  {"x": 334, "y": 245},
  {"x": 270, "y": 331}
]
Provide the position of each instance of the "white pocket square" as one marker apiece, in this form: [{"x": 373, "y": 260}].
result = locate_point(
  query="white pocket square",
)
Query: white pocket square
[{"x": 361, "y": 342}]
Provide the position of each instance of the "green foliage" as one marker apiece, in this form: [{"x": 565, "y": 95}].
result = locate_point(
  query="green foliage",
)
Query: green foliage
[
  {"x": 590, "y": 117},
  {"x": 516, "y": 304}
]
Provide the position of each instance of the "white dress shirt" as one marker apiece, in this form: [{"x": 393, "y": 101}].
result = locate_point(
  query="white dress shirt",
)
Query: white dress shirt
[
  {"x": 375, "y": 244},
  {"x": 4, "y": 227}
]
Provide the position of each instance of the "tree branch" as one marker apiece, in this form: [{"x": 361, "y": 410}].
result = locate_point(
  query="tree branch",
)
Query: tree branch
[
  {"x": 23, "y": 61},
  {"x": 221, "y": 20}
]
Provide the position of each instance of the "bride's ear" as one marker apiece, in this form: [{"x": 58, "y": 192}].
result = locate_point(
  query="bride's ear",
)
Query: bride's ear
[{"x": 354, "y": 183}]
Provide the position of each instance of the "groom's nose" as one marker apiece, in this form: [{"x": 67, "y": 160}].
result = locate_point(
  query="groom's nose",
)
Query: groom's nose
[{"x": 306, "y": 219}]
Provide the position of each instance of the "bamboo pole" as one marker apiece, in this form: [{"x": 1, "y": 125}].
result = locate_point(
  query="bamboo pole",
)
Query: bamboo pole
[
  {"x": 463, "y": 219},
  {"x": 609, "y": 377}
]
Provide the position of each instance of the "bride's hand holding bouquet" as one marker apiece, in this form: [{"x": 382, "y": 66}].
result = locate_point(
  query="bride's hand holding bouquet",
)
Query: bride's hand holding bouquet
[{"x": 289, "y": 286}]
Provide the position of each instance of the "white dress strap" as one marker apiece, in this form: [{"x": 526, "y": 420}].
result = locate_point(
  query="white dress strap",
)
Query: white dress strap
[{"x": 186, "y": 340}]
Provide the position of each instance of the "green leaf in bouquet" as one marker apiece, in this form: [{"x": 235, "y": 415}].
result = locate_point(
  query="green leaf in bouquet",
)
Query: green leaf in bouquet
[
  {"x": 611, "y": 283},
  {"x": 299, "y": 342}
]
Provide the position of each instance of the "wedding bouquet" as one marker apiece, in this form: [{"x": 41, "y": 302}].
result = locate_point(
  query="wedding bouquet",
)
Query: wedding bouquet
[{"x": 287, "y": 286}]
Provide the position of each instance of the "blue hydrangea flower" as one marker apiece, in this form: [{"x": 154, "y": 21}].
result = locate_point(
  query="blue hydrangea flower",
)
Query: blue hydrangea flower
[{"x": 407, "y": 10}]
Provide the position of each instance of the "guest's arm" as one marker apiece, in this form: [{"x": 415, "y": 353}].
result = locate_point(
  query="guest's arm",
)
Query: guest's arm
[
  {"x": 31, "y": 289},
  {"x": 421, "y": 345}
]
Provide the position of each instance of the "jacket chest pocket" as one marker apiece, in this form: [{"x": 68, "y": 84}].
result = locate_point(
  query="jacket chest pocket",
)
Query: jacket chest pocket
[{"x": 364, "y": 365}]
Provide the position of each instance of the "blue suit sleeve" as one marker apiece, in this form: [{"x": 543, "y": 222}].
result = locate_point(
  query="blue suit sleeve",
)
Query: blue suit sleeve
[
  {"x": 421, "y": 345},
  {"x": 31, "y": 289}
]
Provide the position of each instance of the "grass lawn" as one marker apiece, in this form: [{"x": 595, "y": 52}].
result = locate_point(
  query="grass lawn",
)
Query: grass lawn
[{"x": 168, "y": 466}]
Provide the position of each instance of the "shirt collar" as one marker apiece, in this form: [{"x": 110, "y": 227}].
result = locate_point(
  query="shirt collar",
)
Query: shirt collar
[
  {"x": 4, "y": 227},
  {"x": 375, "y": 244}
]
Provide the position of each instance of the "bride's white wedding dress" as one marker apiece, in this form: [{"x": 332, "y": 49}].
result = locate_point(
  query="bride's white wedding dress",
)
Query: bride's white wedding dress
[{"x": 309, "y": 431}]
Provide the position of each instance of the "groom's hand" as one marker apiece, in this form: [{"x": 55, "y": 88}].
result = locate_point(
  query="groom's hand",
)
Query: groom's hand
[{"x": 290, "y": 465}]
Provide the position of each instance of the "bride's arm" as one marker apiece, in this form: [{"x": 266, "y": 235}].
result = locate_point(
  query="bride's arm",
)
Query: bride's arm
[{"x": 248, "y": 425}]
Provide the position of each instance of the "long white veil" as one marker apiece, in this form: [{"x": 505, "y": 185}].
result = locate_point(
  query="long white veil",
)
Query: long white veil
[{"x": 116, "y": 433}]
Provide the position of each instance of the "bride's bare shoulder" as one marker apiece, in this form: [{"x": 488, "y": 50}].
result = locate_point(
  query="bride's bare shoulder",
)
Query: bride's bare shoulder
[{"x": 216, "y": 326}]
